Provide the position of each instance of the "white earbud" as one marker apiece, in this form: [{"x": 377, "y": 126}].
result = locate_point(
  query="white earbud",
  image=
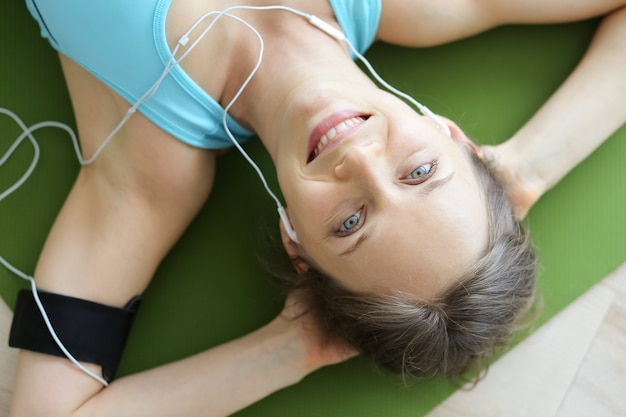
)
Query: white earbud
[{"x": 287, "y": 224}]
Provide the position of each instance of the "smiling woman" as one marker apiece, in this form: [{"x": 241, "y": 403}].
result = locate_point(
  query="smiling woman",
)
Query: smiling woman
[{"x": 391, "y": 180}]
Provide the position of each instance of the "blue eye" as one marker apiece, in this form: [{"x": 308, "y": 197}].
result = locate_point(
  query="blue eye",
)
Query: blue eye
[
  {"x": 351, "y": 224},
  {"x": 421, "y": 171}
]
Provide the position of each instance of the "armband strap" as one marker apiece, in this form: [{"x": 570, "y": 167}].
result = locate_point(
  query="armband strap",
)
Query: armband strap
[{"x": 91, "y": 332}]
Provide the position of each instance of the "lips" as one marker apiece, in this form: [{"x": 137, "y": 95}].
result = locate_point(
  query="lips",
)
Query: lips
[{"x": 332, "y": 129}]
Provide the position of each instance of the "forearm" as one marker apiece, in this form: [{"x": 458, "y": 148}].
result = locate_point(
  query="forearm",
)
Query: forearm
[
  {"x": 217, "y": 382},
  {"x": 579, "y": 117}
]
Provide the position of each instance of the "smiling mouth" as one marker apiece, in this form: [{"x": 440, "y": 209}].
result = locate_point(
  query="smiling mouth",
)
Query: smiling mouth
[{"x": 332, "y": 133}]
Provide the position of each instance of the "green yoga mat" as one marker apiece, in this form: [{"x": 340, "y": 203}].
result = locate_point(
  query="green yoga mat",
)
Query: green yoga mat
[{"x": 211, "y": 289}]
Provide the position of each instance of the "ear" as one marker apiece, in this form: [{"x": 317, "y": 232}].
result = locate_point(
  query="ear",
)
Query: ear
[
  {"x": 292, "y": 248},
  {"x": 458, "y": 136}
]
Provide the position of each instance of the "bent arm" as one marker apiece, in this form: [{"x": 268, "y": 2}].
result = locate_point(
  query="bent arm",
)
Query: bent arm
[
  {"x": 124, "y": 212},
  {"x": 578, "y": 118},
  {"x": 213, "y": 383},
  {"x": 217, "y": 382},
  {"x": 227, "y": 378}
]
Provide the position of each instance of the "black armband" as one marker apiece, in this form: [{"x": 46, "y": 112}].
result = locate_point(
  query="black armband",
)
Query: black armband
[{"x": 91, "y": 332}]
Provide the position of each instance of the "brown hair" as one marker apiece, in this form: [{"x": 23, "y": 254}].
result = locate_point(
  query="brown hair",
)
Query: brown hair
[{"x": 457, "y": 331}]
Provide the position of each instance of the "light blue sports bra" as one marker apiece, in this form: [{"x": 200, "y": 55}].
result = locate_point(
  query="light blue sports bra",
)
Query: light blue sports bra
[{"x": 123, "y": 43}]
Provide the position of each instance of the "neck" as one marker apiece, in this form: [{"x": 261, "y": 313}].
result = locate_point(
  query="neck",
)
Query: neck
[{"x": 297, "y": 56}]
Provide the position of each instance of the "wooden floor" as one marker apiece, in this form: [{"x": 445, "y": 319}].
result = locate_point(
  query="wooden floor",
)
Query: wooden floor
[{"x": 573, "y": 366}]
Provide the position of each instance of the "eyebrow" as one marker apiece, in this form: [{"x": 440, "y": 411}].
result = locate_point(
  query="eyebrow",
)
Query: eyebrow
[{"x": 426, "y": 189}]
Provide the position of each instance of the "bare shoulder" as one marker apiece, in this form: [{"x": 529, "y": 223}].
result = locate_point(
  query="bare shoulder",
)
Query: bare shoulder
[{"x": 425, "y": 23}]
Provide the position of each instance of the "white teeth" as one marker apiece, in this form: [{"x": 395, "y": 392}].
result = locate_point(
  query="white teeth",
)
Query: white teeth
[{"x": 333, "y": 131}]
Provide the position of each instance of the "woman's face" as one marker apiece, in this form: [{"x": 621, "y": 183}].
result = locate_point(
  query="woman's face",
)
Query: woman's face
[{"x": 379, "y": 196}]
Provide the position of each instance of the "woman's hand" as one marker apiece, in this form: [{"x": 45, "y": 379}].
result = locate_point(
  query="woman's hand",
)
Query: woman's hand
[
  {"x": 522, "y": 186},
  {"x": 320, "y": 351}
]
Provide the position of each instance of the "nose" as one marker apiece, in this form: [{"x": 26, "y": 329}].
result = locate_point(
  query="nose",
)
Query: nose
[{"x": 363, "y": 163}]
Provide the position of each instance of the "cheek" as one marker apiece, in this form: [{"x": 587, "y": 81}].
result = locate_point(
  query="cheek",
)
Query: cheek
[
  {"x": 309, "y": 211},
  {"x": 310, "y": 206}
]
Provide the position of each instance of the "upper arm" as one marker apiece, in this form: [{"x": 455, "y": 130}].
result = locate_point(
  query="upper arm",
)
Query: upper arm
[{"x": 427, "y": 22}]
